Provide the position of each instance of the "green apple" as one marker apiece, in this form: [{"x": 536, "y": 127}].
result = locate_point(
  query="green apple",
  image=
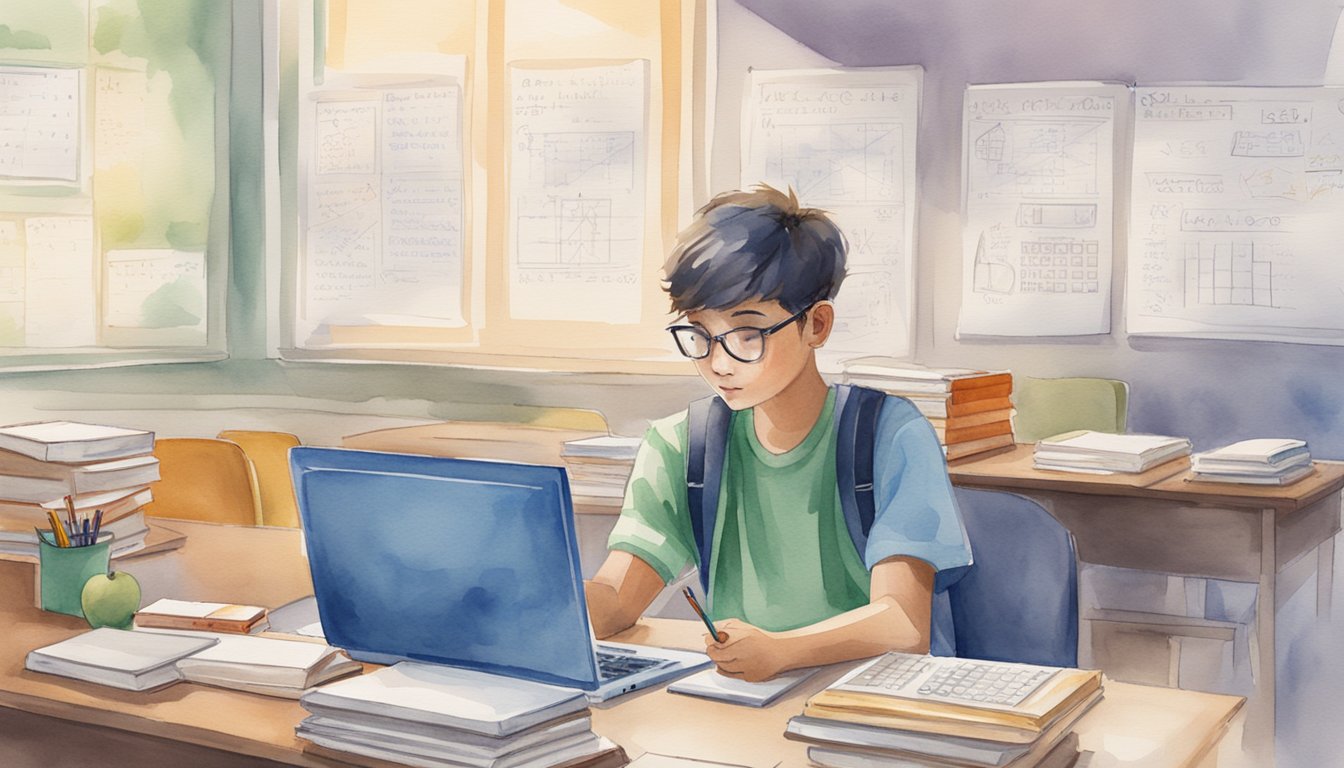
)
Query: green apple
[{"x": 110, "y": 599}]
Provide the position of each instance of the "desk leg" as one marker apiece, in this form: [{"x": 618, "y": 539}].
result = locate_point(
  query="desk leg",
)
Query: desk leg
[{"x": 1258, "y": 738}]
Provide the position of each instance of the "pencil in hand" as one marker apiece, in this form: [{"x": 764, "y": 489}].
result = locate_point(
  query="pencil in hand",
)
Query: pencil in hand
[{"x": 722, "y": 637}]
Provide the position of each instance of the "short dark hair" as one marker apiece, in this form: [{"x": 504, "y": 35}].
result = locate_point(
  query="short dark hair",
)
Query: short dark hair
[{"x": 755, "y": 245}]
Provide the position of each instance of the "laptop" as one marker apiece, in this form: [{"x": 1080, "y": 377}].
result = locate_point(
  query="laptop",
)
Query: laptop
[{"x": 461, "y": 562}]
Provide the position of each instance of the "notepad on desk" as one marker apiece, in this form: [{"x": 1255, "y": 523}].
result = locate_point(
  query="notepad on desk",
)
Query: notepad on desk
[{"x": 710, "y": 684}]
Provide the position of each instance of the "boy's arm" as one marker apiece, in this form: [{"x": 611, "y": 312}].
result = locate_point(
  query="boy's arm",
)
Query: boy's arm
[
  {"x": 896, "y": 618},
  {"x": 620, "y": 591}
]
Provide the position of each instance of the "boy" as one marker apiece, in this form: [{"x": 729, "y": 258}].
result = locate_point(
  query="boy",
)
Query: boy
[{"x": 753, "y": 276}]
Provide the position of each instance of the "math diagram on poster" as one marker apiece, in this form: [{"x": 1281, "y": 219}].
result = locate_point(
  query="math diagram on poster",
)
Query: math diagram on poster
[
  {"x": 1037, "y": 234},
  {"x": 844, "y": 141},
  {"x": 1235, "y": 228},
  {"x": 383, "y": 209},
  {"x": 577, "y": 156}
]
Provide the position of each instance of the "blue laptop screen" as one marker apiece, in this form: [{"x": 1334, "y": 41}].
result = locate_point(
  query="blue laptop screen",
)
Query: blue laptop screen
[{"x": 468, "y": 563}]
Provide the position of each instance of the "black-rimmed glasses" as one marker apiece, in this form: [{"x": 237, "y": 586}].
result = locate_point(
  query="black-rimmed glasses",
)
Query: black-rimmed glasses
[{"x": 745, "y": 344}]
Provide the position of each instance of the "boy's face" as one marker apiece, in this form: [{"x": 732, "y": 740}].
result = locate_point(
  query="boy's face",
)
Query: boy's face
[{"x": 788, "y": 352}]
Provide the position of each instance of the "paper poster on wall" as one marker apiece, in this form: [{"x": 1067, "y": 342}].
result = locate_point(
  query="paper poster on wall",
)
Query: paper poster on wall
[
  {"x": 60, "y": 300},
  {"x": 383, "y": 206},
  {"x": 1038, "y": 171},
  {"x": 155, "y": 289},
  {"x": 1236, "y": 225},
  {"x": 11, "y": 284},
  {"x": 119, "y": 123},
  {"x": 844, "y": 141},
  {"x": 39, "y": 123},
  {"x": 577, "y": 155}
]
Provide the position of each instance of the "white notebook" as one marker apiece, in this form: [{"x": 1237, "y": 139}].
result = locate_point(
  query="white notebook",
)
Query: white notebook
[
  {"x": 710, "y": 684},
  {"x": 435, "y": 694},
  {"x": 135, "y": 661}
]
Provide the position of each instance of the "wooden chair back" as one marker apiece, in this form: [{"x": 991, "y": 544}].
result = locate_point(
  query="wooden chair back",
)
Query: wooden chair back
[
  {"x": 269, "y": 454},
  {"x": 204, "y": 479}
]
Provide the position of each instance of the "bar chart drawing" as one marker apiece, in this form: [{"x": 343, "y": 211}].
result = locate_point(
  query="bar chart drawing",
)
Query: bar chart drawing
[{"x": 1227, "y": 273}]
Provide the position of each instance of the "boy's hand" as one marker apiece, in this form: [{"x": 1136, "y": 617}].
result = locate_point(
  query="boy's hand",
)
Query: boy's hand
[{"x": 749, "y": 653}]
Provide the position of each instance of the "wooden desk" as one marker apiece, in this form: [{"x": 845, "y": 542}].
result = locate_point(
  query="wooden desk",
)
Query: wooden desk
[
  {"x": 1277, "y": 538},
  {"x": 1134, "y": 725}
]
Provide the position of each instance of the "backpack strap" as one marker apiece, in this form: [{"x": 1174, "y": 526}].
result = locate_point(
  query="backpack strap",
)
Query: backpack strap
[
  {"x": 856, "y": 411},
  {"x": 707, "y": 432}
]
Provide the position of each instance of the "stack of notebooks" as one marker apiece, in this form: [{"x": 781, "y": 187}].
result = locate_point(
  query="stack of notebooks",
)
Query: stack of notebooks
[
  {"x": 600, "y": 466},
  {"x": 1267, "y": 461},
  {"x": 432, "y": 715},
  {"x": 970, "y": 410},
  {"x": 910, "y": 710},
  {"x": 97, "y": 467},
  {"x": 148, "y": 660},
  {"x": 1105, "y": 453}
]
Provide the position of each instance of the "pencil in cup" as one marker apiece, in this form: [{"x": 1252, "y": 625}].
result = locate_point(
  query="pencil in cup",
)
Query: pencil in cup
[{"x": 722, "y": 637}]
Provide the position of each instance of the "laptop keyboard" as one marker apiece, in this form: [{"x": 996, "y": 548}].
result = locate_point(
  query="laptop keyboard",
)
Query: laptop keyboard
[{"x": 613, "y": 665}]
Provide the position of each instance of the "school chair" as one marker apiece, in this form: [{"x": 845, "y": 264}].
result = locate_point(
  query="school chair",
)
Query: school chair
[
  {"x": 1047, "y": 407},
  {"x": 1019, "y": 599},
  {"x": 269, "y": 454},
  {"x": 204, "y": 479}
]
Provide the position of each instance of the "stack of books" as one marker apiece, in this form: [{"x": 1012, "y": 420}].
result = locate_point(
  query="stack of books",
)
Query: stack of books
[
  {"x": 970, "y": 410},
  {"x": 1105, "y": 453},
  {"x": 600, "y": 466},
  {"x": 428, "y": 714},
  {"x": 907, "y": 710},
  {"x": 1266, "y": 461},
  {"x": 151, "y": 659},
  {"x": 75, "y": 470}
]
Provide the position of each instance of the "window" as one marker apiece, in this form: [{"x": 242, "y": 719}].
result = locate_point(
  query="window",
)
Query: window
[
  {"x": 113, "y": 199},
  {"x": 474, "y": 188}
]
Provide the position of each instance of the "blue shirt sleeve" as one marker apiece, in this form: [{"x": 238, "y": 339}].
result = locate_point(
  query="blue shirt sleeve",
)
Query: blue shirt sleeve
[{"x": 916, "y": 515}]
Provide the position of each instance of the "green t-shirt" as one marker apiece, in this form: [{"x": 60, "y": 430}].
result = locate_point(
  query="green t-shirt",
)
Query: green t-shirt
[{"x": 782, "y": 555}]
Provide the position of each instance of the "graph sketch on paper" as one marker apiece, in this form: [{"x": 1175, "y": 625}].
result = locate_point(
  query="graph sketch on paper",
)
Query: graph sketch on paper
[
  {"x": 577, "y": 176},
  {"x": 844, "y": 141},
  {"x": 1039, "y": 177},
  {"x": 1235, "y": 227}
]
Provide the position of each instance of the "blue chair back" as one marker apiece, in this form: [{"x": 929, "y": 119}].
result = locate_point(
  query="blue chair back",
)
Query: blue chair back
[{"x": 1019, "y": 601}]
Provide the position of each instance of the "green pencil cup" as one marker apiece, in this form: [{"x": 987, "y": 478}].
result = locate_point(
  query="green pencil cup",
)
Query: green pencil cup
[{"x": 63, "y": 571}]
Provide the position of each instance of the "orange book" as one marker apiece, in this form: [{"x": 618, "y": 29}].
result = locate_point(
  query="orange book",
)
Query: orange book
[
  {"x": 960, "y": 396},
  {"x": 962, "y": 450},
  {"x": 938, "y": 406},
  {"x": 970, "y": 420},
  {"x": 967, "y": 434}
]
